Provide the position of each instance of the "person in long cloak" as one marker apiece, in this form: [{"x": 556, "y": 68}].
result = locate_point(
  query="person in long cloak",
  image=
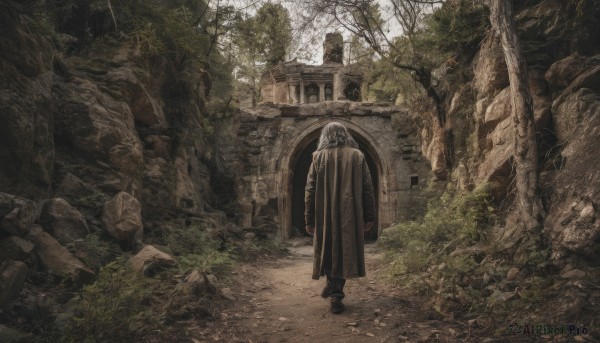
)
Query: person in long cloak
[{"x": 340, "y": 208}]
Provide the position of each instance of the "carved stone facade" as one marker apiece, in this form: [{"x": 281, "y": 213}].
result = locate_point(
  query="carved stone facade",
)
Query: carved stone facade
[
  {"x": 275, "y": 143},
  {"x": 298, "y": 83}
]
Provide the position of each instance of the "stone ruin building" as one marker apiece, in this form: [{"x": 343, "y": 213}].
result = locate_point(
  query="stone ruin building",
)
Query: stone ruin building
[
  {"x": 298, "y": 83},
  {"x": 276, "y": 139}
]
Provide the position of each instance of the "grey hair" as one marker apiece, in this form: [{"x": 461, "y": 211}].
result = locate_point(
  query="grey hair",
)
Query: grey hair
[{"x": 335, "y": 134}]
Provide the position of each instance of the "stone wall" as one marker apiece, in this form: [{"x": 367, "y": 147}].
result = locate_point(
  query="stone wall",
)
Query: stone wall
[{"x": 271, "y": 141}]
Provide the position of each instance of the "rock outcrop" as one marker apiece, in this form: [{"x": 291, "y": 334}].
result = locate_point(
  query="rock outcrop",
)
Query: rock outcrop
[
  {"x": 494, "y": 130},
  {"x": 122, "y": 218},
  {"x": 573, "y": 224}
]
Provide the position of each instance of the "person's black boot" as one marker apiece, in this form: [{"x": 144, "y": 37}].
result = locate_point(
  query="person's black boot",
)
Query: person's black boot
[
  {"x": 326, "y": 291},
  {"x": 337, "y": 306}
]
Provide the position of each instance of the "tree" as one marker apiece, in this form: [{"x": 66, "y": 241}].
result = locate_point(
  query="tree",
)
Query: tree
[
  {"x": 363, "y": 19},
  {"x": 273, "y": 32},
  {"x": 526, "y": 155},
  {"x": 261, "y": 42}
]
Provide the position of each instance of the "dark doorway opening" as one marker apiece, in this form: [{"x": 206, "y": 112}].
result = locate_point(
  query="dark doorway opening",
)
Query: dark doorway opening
[
  {"x": 298, "y": 186},
  {"x": 352, "y": 91},
  {"x": 301, "y": 167}
]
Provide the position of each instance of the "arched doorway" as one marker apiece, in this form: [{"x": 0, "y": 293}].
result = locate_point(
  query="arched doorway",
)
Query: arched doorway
[{"x": 299, "y": 166}]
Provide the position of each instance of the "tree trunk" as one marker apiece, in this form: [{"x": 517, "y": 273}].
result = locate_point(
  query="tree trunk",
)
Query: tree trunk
[{"x": 525, "y": 145}]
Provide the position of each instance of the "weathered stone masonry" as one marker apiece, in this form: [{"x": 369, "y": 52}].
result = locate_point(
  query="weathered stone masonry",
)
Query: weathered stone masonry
[{"x": 275, "y": 142}]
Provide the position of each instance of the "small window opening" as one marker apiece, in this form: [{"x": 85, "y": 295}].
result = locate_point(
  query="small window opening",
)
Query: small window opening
[{"x": 414, "y": 180}]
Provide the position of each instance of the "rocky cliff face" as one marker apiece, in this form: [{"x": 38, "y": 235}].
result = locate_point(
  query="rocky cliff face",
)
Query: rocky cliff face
[
  {"x": 103, "y": 141},
  {"x": 563, "y": 77}
]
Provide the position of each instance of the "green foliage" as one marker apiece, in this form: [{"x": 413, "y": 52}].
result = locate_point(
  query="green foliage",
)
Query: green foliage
[
  {"x": 212, "y": 261},
  {"x": 188, "y": 240},
  {"x": 260, "y": 42},
  {"x": 147, "y": 39},
  {"x": 91, "y": 203},
  {"x": 452, "y": 221},
  {"x": 458, "y": 27},
  {"x": 166, "y": 28},
  {"x": 442, "y": 42},
  {"x": 96, "y": 251},
  {"x": 386, "y": 84},
  {"x": 194, "y": 247},
  {"x": 114, "y": 308},
  {"x": 273, "y": 32}
]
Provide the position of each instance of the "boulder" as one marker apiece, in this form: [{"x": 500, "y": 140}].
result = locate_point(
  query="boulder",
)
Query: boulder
[
  {"x": 20, "y": 214},
  {"x": 572, "y": 110},
  {"x": 496, "y": 166},
  {"x": 489, "y": 68},
  {"x": 12, "y": 278},
  {"x": 122, "y": 218},
  {"x": 145, "y": 107},
  {"x": 499, "y": 133},
  {"x": 498, "y": 110},
  {"x": 434, "y": 143},
  {"x": 63, "y": 221},
  {"x": 563, "y": 72},
  {"x": 150, "y": 259},
  {"x": 198, "y": 283},
  {"x": 57, "y": 259},
  {"x": 500, "y": 106},
  {"x": 15, "y": 248}
]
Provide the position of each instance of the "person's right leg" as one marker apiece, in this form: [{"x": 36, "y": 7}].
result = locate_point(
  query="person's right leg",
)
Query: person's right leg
[{"x": 337, "y": 294}]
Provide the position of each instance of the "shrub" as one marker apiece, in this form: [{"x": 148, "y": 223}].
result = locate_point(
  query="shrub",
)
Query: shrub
[
  {"x": 452, "y": 221},
  {"x": 114, "y": 308}
]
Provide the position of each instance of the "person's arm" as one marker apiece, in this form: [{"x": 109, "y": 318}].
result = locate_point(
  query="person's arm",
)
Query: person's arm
[
  {"x": 309, "y": 199},
  {"x": 368, "y": 197}
]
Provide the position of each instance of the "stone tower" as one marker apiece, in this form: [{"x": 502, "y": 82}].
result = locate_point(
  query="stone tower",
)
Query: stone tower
[{"x": 333, "y": 48}]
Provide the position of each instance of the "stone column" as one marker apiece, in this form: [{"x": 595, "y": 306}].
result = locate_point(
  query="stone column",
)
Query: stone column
[
  {"x": 321, "y": 92},
  {"x": 292, "y": 93},
  {"x": 338, "y": 87},
  {"x": 302, "y": 100}
]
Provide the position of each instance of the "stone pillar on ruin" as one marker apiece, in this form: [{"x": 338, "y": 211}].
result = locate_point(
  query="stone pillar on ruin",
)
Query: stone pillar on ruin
[
  {"x": 302, "y": 100},
  {"x": 333, "y": 48},
  {"x": 292, "y": 99},
  {"x": 321, "y": 92}
]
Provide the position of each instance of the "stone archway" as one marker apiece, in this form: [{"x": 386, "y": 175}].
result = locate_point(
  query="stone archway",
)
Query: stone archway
[{"x": 293, "y": 162}]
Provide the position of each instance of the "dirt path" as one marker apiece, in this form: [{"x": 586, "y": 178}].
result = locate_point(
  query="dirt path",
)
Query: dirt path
[{"x": 278, "y": 302}]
